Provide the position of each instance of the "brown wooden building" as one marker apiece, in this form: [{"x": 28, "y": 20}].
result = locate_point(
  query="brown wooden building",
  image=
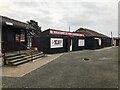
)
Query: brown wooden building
[
  {"x": 94, "y": 40},
  {"x": 13, "y": 34},
  {"x": 57, "y": 41}
]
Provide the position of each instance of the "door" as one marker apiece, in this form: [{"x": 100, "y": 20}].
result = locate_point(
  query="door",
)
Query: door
[
  {"x": 71, "y": 45},
  {"x": 29, "y": 41}
]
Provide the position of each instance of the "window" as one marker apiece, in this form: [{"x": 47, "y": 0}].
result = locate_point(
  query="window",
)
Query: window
[
  {"x": 81, "y": 42},
  {"x": 22, "y": 36}
]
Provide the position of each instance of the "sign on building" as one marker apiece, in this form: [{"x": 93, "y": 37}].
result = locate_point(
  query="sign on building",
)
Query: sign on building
[
  {"x": 81, "y": 42},
  {"x": 65, "y": 33},
  {"x": 9, "y": 23},
  {"x": 56, "y": 43}
]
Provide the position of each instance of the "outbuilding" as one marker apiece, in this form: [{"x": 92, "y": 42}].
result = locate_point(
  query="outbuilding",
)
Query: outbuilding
[
  {"x": 13, "y": 34},
  {"x": 116, "y": 41},
  {"x": 58, "y": 41},
  {"x": 94, "y": 40}
]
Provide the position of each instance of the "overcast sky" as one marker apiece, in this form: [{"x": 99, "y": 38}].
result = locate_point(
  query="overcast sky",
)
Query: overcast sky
[{"x": 98, "y": 15}]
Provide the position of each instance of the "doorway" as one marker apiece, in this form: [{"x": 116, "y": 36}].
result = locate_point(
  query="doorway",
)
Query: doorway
[
  {"x": 68, "y": 45},
  {"x": 71, "y": 44}
]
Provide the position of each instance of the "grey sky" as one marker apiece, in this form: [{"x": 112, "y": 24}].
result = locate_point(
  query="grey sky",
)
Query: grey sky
[{"x": 99, "y": 15}]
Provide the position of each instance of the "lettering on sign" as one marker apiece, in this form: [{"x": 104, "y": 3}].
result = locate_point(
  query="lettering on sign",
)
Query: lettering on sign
[
  {"x": 66, "y": 33},
  {"x": 56, "y": 42}
]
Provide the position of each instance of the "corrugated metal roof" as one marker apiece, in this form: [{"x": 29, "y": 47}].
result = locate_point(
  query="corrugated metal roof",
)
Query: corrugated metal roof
[{"x": 91, "y": 33}]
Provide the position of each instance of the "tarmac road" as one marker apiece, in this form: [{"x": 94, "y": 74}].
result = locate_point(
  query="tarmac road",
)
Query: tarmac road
[{"x": 72, "y": 71}]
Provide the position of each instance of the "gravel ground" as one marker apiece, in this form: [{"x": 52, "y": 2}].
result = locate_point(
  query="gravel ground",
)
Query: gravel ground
[{"x": 72, "y": 71}]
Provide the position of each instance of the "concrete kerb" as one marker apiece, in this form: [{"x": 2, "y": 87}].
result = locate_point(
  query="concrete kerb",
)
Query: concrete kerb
[
  {"x": 104, "y": 48},
  {"x": 21, "y": 70}
]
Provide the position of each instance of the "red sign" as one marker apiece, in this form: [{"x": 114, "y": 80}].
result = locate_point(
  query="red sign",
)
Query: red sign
[{"x": 65, "y": 33}]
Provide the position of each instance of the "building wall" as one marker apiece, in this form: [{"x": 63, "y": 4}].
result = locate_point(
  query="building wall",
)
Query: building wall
[
  {"x": 92, "y": 43},
  {"x": 0, "y": 35},
  {"x": 1, "y": 59},
  {"x": 107, "y": 42},
  {"x": 116, "y": 42},
  {"x": 44, "y": 44},
  {"x": 89, "y": 43},
  {"x": 10, "y": 42},
  {"x": 76, "y": 45}
]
